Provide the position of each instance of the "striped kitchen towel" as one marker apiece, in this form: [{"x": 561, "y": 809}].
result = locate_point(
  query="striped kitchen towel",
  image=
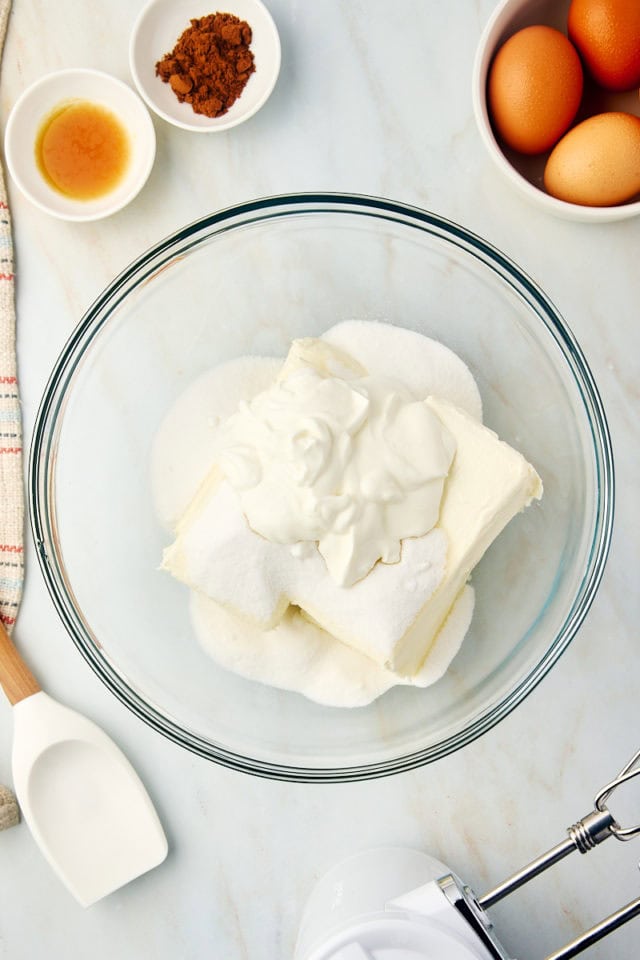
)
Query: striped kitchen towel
[{"x": 11, "y": 482}]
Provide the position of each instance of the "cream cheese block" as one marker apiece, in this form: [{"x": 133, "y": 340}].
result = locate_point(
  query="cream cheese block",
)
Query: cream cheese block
[
  {"x": 488, "y": 485},
  {"x": 218, "y": 554},
  {"x": 394, "y": 614}
]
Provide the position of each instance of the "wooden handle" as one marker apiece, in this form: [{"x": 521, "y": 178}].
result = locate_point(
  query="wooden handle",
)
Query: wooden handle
[{"x": 16, "y": 679}]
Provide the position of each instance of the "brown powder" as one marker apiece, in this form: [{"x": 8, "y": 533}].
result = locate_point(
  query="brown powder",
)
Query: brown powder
[{"x": 210, "y": 64}]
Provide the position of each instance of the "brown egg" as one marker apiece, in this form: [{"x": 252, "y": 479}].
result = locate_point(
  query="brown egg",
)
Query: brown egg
[
  {"x": 597, "y": 164},
  {"x": 534, "y": 89},
  {"x": 607, "y": 34}
]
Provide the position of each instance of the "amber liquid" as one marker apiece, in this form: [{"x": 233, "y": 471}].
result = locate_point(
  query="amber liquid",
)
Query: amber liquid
[{"x": 82, "y": 150}]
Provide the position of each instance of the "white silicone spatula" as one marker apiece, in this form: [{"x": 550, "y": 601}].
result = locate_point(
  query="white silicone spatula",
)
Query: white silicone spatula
[{"x": 81, "y": 798}]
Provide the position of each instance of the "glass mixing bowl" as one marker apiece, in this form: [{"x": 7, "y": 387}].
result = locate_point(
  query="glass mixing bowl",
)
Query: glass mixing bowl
[{"x": 248, "y": 280}]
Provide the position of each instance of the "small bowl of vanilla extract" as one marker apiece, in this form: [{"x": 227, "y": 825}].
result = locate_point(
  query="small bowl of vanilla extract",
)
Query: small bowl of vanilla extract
[{"x": 79, "y": 144}]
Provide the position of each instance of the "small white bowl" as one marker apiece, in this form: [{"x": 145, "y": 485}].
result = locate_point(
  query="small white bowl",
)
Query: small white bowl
[
  {"x": 39, "y": 101},
  {"x": 156, "y": 32},
  {"x": 523, "y": 172}
]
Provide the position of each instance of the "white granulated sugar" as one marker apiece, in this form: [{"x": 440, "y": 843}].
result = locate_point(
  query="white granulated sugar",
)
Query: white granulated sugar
[
  {"x": 299, "y": 655},
  {"x": 184, "y": 449},
  {"x": 424, "y": 366}
]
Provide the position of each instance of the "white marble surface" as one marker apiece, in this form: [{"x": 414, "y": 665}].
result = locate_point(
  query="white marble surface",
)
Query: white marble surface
[{"x": 372, "y": 98}]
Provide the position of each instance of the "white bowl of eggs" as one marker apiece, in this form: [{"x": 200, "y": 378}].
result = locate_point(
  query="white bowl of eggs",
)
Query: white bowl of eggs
[{"x": 556, "y": 100}]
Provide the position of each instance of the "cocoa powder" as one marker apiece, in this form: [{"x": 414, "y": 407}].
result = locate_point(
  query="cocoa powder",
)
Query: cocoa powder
[{"x": 210, "y": 64}]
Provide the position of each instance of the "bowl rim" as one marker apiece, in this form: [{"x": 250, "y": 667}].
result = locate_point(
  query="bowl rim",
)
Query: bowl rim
[
  {"x": 43, "y": 456},
  {"x": 496, "y": 25},
  {"x": 146, "y": 127},
  {"x": 216, "y": 124}
]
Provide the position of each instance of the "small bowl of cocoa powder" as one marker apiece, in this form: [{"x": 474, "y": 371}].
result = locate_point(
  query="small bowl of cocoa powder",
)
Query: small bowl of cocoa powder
[{"x": 201, "y": 68}]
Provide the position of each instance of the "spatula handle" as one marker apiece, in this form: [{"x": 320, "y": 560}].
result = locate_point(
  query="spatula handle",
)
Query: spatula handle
[{"x": 16, "y": 679}]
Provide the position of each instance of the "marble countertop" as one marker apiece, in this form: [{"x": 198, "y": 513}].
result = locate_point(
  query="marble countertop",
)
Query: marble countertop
[{"x": 371, "y": 99}]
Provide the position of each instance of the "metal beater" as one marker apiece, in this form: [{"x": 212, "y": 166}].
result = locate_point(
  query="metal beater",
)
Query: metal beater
[{"x": 583, "y": 836}]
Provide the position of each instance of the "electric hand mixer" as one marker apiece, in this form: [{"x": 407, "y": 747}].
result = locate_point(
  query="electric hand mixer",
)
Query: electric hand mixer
[{"x": 358, "y": 911}]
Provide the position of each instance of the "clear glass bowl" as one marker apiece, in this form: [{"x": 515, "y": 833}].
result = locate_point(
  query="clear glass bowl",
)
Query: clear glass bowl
[{"x": 248, "y": 280}]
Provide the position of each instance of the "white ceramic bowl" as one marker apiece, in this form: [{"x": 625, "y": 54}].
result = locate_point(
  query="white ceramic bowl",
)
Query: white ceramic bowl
[
  {"x": 155, "y": 33},
  {"x": 32, "y": 109},
  {"x": 523, "y": 172}
]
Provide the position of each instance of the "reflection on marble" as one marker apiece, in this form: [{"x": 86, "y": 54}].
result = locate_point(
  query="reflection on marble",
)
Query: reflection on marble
[{"x": 370, "y": 99}]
